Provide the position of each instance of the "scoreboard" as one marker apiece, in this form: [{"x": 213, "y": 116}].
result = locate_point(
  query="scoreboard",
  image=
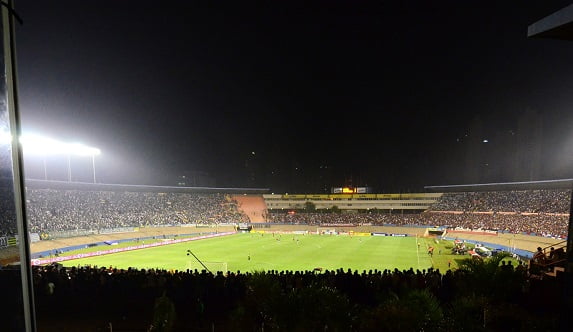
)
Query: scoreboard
[{"x": 350, "y": 190}]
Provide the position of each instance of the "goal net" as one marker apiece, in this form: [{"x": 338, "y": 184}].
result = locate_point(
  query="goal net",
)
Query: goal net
[
  {"x": 435, "y": 232},
  {"x": 325, "y": 230},
  {"x": 214, "y": 267}
]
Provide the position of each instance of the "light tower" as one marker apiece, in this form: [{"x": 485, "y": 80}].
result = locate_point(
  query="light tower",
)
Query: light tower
[{"x": 44, "y": 146}]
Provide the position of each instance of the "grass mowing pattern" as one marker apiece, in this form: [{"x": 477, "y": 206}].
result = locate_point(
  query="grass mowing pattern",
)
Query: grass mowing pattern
[{"x": 279, "y": 252}]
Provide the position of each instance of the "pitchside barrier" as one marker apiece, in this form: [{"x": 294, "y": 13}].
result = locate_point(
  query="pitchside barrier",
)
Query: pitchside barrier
[
  {"x": 461, "y": 230},
  {"x": 326, "y": 230},
  {"x": 280, "y": 232},
  {"x": 45, "y": 253},
  {"x": 330, "y": 231},
  {"x": 34, "y": 237},
  {"x": 389, "y": 234},
  {"x": 351, "y": 233},
  {"x": 42, "y": 261}
]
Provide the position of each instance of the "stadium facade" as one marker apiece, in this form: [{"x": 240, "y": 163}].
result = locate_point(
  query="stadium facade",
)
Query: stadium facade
[{"x": 413, "y": 202}]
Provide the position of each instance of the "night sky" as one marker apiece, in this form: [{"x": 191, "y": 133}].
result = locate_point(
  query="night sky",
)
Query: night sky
[{"x": 299, "y": 96}]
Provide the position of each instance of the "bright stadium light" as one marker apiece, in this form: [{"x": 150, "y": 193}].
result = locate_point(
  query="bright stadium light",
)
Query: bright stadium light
[
  {"x": 78, "y": 149},
  {"x": 44, "y": 146},
  {"x": 34, "y": 144},
  {"x": 38, "y": 145}
]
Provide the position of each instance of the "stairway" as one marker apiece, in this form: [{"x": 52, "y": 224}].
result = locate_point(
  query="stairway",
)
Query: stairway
[
  {"x": 253, "y": 206},
  {"x": 556, "y": 270}
]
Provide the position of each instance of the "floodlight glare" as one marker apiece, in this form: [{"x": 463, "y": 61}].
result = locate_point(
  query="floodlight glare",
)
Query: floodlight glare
[
  {"x": 82, "y": 150},
  {"x": 34, "y": 144},
  {"x": 44, "y": 146}
]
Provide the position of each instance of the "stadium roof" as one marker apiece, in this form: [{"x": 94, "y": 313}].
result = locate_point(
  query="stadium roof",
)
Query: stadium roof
[
  {"x": 502, "y": 186},
  {"x": 558, "y": 25},
  {"x": 63, "y": 185}
]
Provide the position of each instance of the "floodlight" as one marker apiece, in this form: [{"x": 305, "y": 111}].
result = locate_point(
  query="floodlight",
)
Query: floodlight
[
  {"x": 82, "y": 150},
  {"x": 34, "y": 144}
]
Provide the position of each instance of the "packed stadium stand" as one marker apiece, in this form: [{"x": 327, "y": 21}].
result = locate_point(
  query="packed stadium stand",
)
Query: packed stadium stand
[
  {"x": 539, "y": 212},
  {"x": 516, "y": 201},
  {"x": 535, "y": 212},
  {"x": 56, "y": 210},
  {"x": 7, "y": 210}
]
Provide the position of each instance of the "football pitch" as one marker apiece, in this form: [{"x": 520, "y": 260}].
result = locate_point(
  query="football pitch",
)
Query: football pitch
[{"x": 256, "y": 252}]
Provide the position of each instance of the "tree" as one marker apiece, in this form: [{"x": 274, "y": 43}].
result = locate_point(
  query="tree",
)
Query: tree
[
  {"x": 487, "y": 284},
  {"x": 309, "y": 206},
  {"x": 484, "y": 273}
]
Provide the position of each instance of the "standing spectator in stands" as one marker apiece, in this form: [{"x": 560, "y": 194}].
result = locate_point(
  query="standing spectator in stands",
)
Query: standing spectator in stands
[
  {"x": 539, "y": 256},
  {"x": 551, "y": 254}
]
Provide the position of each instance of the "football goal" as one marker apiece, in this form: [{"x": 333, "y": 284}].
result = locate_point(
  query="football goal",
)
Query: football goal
[
  {"x": 325, "y": 231},
  {"x": 214, "y": 267}
]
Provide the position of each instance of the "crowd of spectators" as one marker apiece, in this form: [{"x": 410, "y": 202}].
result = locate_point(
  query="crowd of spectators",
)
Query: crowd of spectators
[
  {"x": 528, "y": 201},
  {"x": 304, "y": 300},
  {"x": 539, "y": 224},
  {"x": 68, "y": 210},
  {"x": 538, "y": 212},
  {"x": 536, "y": 224},
  {"x": 7, "y": 210},
  {"x": 358, "y": 219}
]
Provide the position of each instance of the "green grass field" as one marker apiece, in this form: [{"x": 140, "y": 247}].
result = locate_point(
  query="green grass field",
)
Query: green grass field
[{"x": 291, "y": 252}]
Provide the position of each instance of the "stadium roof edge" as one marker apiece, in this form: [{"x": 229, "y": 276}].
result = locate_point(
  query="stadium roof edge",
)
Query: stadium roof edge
[
  {"x": 43, "y": 184},
  {"x": 501, "y": 186},
  {"x": 558, "y": 25}
]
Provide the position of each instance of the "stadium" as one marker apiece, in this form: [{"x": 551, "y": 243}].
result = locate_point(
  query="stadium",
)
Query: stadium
[
  {"x": 168, "y": 239},
  {"x": 78, "y": 254},
  {"x": 206, "y": 258}
]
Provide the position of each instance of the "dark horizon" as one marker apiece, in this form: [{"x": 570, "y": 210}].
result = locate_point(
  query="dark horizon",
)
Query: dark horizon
[{"x": 299, "y": 98}]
